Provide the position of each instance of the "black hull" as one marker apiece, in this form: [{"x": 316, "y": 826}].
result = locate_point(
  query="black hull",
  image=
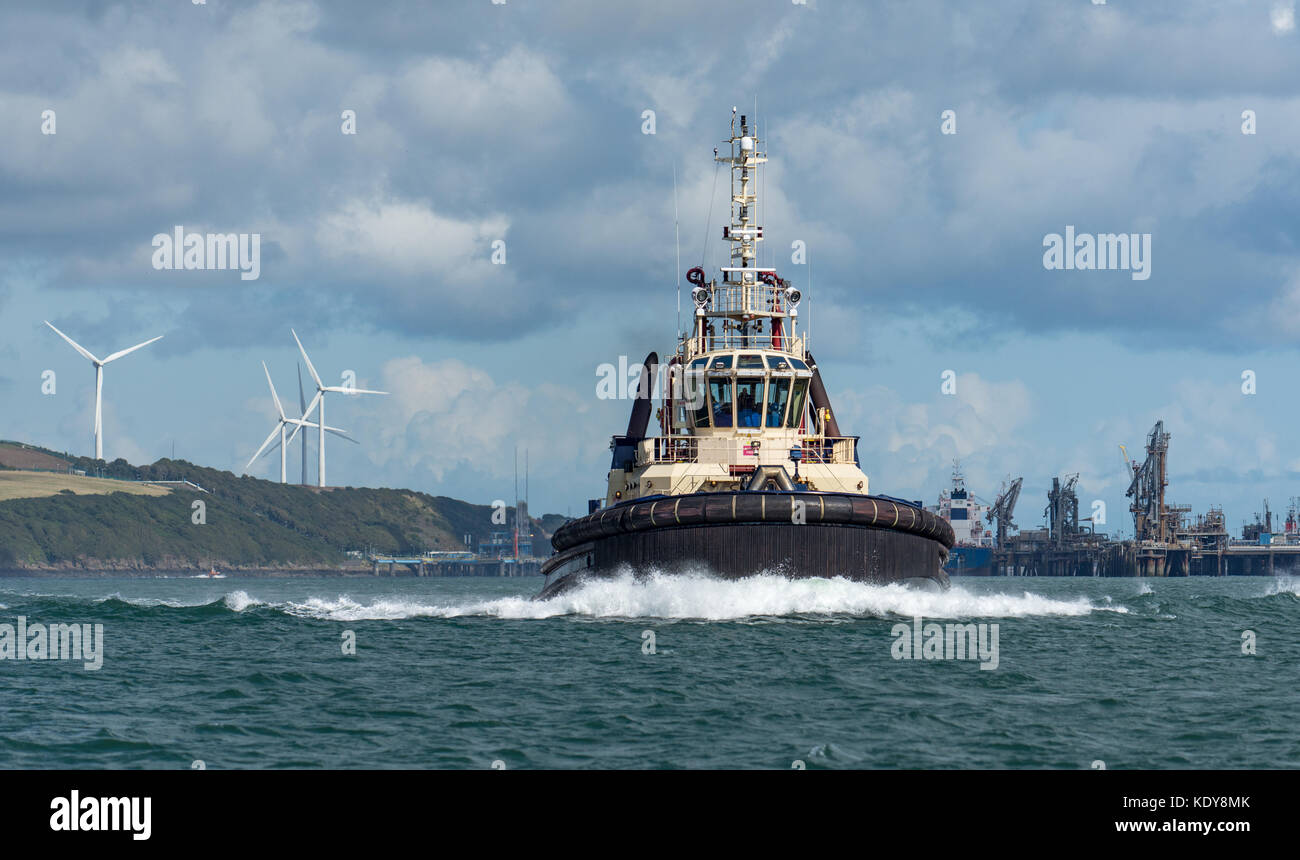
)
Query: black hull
[{"x": 736, "y": 535}]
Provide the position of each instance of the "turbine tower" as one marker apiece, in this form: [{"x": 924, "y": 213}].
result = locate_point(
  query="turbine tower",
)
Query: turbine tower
[
  {"x": 302, "y": 407},
  {"x": 319, "y": 402},
  {"x": 282, "y": 424},
  {"x": 99, "y": 382}
]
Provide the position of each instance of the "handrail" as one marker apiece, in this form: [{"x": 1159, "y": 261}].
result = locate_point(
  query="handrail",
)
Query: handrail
[{"x": 680, "y": 448}]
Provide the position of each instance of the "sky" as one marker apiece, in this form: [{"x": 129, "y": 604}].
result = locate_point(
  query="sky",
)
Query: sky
[{"x": 524, "y": 123}]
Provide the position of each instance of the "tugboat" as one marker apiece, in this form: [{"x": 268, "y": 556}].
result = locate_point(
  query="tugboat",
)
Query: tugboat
[{"x": 749, "y": 472}]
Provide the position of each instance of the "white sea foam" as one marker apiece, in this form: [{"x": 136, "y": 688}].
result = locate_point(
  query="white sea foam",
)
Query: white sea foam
[
  {"x": 238, "y": 601},
  {"x": 701, "y": 597},
  {"x": 1284, "y": 585},
  {"x": 1143, "y": 588}
]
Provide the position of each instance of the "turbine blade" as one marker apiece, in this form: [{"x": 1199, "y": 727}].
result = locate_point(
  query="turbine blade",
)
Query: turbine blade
[
  {"x": 274, "y": 396},
  {"x": 302, "y": 398},
  {"x": 78, "y": 347},
  {"x": 343, "y": 390},
  {"x": 275, "y": 434},
  {"x": 311, "y": 407},
  {"x": 115, "y": 356},
  {"x": 310, "y": 368},
  {"x": 341, "y": 434}
]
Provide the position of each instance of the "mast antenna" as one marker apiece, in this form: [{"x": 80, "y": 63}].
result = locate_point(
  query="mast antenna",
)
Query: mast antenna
[
  {"x": 516, "y": 501},
  {"x": 677, "y": 233}
]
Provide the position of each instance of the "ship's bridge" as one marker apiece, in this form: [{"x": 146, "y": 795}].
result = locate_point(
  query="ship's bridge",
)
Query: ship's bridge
[
  {"x": 744, "y": 389},
  {"x": 742, "y": 408}
]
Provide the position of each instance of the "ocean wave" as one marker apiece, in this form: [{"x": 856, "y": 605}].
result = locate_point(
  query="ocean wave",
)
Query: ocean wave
[
  {"x": 145, "y": 602},
  {"x": 711, "y": 599},
  {"x": 238, "y": 601},
  {"x": 1284, "y": 585}
]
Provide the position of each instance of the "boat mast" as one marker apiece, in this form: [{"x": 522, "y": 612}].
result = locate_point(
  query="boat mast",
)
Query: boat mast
[
  {"x": 744, "y": 234},
  {"x": 748, "y": 295}
]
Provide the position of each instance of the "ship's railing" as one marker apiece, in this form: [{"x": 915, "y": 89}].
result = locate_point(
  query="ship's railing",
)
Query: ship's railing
[
  {"x": 686, "y": 449},
  {"x": 830, "y": 449},
  {"x": 731, "y": 339},
  {"x": 669, "y": 449},
  {"x": 756, "y": 298}
]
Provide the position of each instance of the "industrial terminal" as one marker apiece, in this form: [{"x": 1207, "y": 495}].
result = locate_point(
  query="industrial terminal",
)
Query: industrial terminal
[{"x": 1167, "y": 539}]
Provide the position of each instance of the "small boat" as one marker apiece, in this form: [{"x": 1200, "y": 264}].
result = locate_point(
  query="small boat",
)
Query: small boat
[{"x": 749, "y": 472}]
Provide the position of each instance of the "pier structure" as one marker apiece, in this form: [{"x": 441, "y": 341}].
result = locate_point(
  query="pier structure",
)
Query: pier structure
[
  {"x": 451, "y": 564},
  {"x": 1167, "y": 540}
]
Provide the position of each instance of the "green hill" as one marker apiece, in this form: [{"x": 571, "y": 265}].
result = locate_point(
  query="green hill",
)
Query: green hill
[{"x": 250, "y": 523}]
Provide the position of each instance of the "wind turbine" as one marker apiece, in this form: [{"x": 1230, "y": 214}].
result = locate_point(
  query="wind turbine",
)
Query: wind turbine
[
  {"x": 319, "y": 401},
  {"x": 284, "y": 422},
  {"x": 99, "y": 382},
  {"x": 302, "y": 406}
]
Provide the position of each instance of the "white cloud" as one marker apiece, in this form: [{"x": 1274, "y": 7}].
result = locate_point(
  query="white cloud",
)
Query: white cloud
[
  {"x": 515, "y": 99},
  {"x": 1283, "y": 17},
  {"x": 910, "y": 446},
  {"x": 445, "y": 418},
  {"x": 409, "y": 237}
]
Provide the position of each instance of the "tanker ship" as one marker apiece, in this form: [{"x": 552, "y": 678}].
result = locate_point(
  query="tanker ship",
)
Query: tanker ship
[
  {"x": 748, "y": 471},
  {"x": 972, "y": 550}
]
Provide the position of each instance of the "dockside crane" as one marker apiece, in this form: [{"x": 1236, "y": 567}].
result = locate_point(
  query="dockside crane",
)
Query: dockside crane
[
  {"x": 1003, "y": 508},
  {"x": 1062, "y": 511},
  {"x": 1153, "y": 520}
]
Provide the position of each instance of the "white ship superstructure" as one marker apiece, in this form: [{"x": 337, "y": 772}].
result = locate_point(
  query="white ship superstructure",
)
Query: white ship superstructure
[{"x": 968, "y": 518}]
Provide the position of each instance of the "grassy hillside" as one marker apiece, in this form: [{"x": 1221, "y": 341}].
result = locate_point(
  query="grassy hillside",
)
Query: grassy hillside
[
  {"x": 251, "y": 523},
  {"x": 32, "y": 485}
]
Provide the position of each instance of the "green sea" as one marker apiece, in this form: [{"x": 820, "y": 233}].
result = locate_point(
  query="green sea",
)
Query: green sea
[{"x": 664, "y": 672}]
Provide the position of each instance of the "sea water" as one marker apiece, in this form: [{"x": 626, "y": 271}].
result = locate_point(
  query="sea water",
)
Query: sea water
[{"x": 664, "y": 672}]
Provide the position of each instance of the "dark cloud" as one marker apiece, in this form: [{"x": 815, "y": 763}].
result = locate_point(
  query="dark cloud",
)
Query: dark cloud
[{"x": 522, "y": 122}]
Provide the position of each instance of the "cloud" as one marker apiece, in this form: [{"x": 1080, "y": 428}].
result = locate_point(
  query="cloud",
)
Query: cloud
[
  {"x": 911, "y": 445},
  {"x": 1283, "y": 18},
  {"x": 409, "y": 238},
  {"x": 452, "y": 424}
]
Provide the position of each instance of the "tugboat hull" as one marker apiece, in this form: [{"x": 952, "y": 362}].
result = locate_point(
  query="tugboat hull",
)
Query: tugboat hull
[{"x": 736, "y": 535}]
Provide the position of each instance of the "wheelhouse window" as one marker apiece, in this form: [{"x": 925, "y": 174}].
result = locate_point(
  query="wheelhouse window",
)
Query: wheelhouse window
[
  {"x": 750, "y": 362},
  {"x": 695, "y": 393},
  {"x": 797, "y": 403},
  {"x": 749, "y": 401},
  {"x": 778, "y": 394},
  {"x": 720, "y": 395}
]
